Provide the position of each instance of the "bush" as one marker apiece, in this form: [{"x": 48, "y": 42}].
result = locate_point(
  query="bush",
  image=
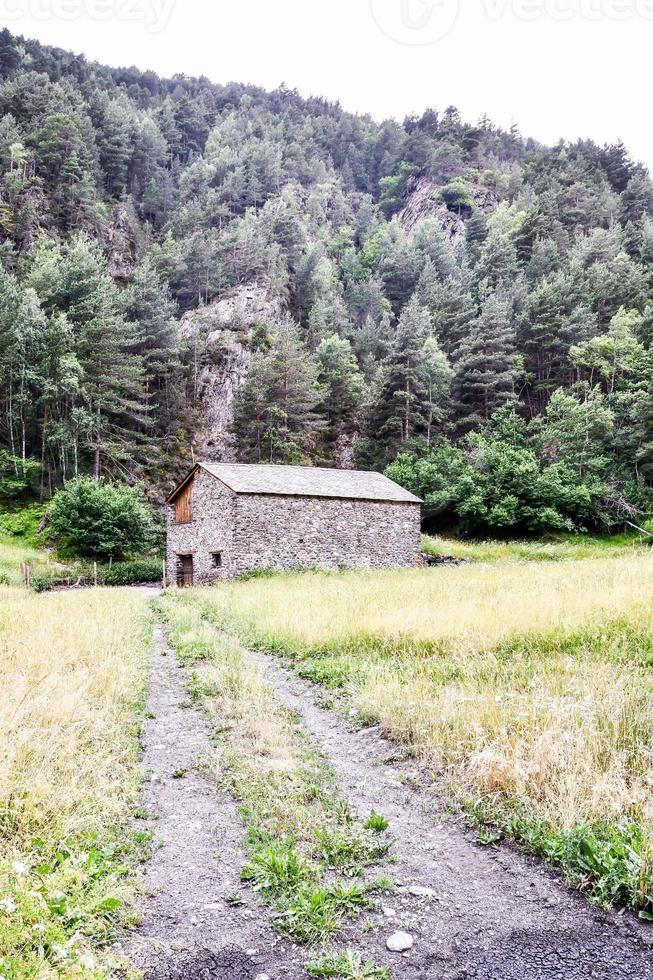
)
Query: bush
[
  {"x": 499, "y": 481},
  {"x": 97, "y": 519},
  {"x": 42, "y": 580},
  {"x": 18, "y": 476},
  {"x": 131, "y": 572},
  {"x": 23, "y": 523}
]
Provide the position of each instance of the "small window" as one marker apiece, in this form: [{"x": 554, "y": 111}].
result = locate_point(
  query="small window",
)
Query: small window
[{"x": 216, "y": 558}]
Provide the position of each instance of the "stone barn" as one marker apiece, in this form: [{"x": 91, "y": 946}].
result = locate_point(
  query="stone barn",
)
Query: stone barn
[{"x": 228, "y": 518}]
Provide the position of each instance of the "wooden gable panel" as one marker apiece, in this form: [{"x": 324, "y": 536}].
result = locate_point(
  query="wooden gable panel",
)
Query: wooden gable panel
[{"x": 184, "y": 505}]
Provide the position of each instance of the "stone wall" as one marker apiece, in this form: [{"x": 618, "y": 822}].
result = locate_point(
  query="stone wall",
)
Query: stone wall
[
  {"x": 273, "y": 531},
  {"x": 286, "y": 532},
  {"x": 210, "y": 531}
]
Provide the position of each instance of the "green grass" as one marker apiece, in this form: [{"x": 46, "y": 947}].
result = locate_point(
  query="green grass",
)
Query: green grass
[
  {"x": 559, "y": 548},
  {"x": 347, "y": 965},
  {"x": 12, "y": 555}
]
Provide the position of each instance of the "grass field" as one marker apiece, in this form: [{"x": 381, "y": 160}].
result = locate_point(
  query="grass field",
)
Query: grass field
[
  {"x": 73, "y": 670},
  {"x": 563, "y": 547},
  {"x": 12, "y": 554},
  {"x": 528, "y": 687}
]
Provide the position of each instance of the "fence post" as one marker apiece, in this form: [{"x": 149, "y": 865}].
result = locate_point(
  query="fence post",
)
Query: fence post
[{"x": 163, "y": 580}]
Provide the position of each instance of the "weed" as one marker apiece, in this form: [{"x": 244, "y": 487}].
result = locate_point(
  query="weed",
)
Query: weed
[
  {"x": 311, "y": 914},
  {"x": 376, "y": 822},
  {"x": 179, "y": 773},
  {"x": 353, "y": 848},
  {"x": 348, "y": 965},
  {"x": 384, "y": 883},
  {"x": 277, "y": 869},
  {"x": 609, "y": 861}
]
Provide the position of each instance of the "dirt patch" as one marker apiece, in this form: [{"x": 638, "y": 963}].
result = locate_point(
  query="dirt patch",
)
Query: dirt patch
[
  {"x": 483, "y": 913},
  {"x": 230, "y": 963},
  {"x": 190, "y": 927}
]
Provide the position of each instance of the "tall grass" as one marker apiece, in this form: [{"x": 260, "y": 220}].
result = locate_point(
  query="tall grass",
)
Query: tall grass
[
  {"x": 562, "y": 547},
  {"x": 459, "y": 609},
  {"x": 72, "y": 669},
  {"x": 527, "y": 687},
  {"x": 13, "y": 552}
]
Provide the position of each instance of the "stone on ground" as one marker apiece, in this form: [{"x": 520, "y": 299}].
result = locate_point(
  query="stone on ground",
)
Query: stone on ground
[{"x": 398, "y": 942}]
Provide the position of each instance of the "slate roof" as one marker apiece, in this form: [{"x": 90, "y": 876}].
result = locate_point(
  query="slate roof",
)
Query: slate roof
[{"x": 308, "y": 481}]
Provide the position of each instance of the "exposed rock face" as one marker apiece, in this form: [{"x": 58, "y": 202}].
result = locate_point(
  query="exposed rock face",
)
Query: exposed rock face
[
  {"x": 219, "y": 335},
  {"x": 424, "y": 202},
  {"x": 120, "y": 247}
]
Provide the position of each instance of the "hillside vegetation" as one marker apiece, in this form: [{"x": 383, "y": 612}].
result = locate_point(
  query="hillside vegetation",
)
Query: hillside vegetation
[
  {"x": 524, "y": 687},
  {"x": 73, "y": 671},
  {"x": 274, "y": 278}
]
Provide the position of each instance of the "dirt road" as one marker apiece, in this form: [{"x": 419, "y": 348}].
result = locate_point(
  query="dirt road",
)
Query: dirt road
[{"x": 472, "y": 912}]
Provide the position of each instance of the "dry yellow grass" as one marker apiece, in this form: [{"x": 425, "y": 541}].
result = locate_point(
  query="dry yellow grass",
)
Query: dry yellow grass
[
  {"x": 73, "y": 671},
  {"x": 466, "y": 608},
  {"x": 72, "y": 666},
  {"x": 527, "y": 686}
]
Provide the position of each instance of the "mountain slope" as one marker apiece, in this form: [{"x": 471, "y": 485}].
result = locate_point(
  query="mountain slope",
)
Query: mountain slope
[{"x": 416, "y": 279}]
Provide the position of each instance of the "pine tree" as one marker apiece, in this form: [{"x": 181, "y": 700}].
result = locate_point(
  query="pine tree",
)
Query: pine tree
[
  {"x": 111, "y": 395},
  {"x": 149, "y": 304},
  {"x": 403, "y": 408},
  {"x": 438, "y": 376},
  {"x": 342, "y": 384},
  {"x": 276, "y": 414},
  {"x": 485, "y": 364}
]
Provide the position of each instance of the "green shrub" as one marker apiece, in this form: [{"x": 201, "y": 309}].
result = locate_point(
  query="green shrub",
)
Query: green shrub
[
  {"x": 23, "y": 523},
  {"x": 131, "y": 572},
  {"x": 608, "y": 860},
  {"x": 96, "y": 519},
  {"x": 42, "y": 580},
  {"x": 18, "y": 477}
]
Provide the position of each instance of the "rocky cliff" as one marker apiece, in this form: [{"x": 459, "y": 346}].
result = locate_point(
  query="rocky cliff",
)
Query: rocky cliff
[
  {"x": 424, "y": 202},
  {"x": 218, "y": 336}
]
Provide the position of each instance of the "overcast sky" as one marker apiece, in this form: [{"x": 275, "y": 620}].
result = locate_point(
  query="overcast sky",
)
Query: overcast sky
[{"x": 558, "y": 68}]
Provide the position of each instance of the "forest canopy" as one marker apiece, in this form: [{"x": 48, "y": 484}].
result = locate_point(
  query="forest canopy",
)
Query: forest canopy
[{"x": 452, "y": 300}]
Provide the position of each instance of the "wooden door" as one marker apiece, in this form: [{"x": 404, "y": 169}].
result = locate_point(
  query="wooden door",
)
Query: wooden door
[{"x": 184, "y": 570}]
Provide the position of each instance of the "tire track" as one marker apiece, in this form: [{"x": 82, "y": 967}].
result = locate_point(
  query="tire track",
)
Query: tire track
[
  {"x": 487, "y": 914},
  {"x": 189, "y": 929}
]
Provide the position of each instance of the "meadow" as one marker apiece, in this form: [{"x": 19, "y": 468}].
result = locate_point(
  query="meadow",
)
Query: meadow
[
  {"x": 12, "y": 555},
  {"x": 525, "y": 688},
  {"x": 559, "y": 547},
  {"x": 73, "y": 669}
]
